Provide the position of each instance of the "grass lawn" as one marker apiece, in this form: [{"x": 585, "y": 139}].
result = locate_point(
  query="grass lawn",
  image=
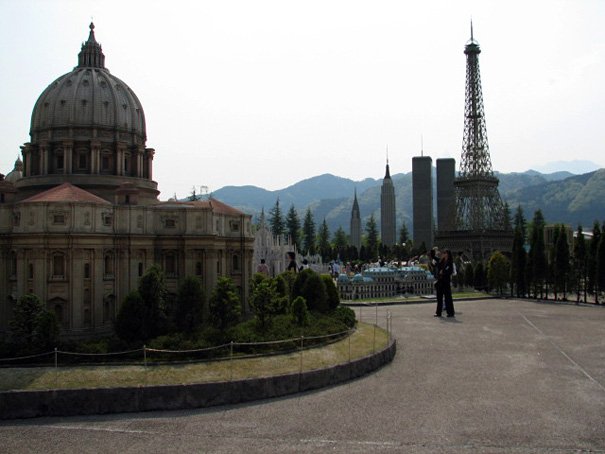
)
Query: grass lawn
[{"x": 361, "y": 343}]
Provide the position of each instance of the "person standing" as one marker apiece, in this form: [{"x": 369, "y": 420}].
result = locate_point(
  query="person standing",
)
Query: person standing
[
  {"x": 262, "y": 268},
  {"x": 445, "y": 268},
  {"x": 292, "y": 265}
]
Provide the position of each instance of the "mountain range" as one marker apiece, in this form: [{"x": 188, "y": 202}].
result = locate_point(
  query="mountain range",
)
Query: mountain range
[{"x": 562, "y": 196}]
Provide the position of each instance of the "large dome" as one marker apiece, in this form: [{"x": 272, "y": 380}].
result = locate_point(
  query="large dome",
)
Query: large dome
[
  {"x": 89, "y": 96},
  {"x": 88, "y": 129}
]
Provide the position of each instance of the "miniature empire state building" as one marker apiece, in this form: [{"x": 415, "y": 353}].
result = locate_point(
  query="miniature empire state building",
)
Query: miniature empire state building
[{"x": 480, "y": 226}]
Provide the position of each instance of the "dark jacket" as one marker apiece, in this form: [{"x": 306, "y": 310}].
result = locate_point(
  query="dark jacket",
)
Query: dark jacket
[{"x": 444, "y": 272}]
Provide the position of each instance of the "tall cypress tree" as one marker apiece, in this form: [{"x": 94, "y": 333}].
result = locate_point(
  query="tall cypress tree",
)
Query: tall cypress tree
[
  {"x": 309, "y": 233},
  {"x": 537, "y": 255},
  {"x": 372, "y": 238},
  {"x": 276, "y": 220},
  {"x": 519, "y": 263},
  {"x": 591, "y": 262},
  {"x": 600, "y": 279},
  {"x": 293, "y": 225},
  {"x": 323, "y": 241},
  {"x": 562, "y": 266},
  {"x": 579, "y": 254}
]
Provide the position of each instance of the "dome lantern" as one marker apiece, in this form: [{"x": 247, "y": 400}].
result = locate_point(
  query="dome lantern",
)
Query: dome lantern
[{"x": 91, "y": 54}]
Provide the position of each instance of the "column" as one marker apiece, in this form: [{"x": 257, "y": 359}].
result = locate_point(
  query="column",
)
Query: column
[
  {"x": 95, "y": 157},
  {"x": 68, "y": 147},
  {"x": 149, "y": 152}
]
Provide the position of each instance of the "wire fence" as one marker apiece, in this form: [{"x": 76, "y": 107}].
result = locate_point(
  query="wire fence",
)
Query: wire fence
[{"x": 146, "y": 356}]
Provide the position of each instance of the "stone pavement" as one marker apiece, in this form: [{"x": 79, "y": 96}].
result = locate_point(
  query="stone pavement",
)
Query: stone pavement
[{"x": 504, "y": 376}]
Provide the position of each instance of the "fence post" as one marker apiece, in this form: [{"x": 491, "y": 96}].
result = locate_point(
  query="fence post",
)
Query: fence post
[
  {"x": 56, "y": 359},
  {"x": 360, "y": 314},
  {"x": 144, "y": 356},
  {"x": 231, "y": 361},
  {"x": 350, "y": 334},
  {"x": 302, "y": 345}
]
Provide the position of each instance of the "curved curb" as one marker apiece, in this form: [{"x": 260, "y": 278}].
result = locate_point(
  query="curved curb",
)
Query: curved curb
[{"x": 71, "y": 402}]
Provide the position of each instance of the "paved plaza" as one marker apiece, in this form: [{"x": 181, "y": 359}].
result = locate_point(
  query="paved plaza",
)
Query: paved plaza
[{"x": 505, "y": 376}]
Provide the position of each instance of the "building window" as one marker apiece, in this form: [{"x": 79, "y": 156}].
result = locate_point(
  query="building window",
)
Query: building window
[
  {"x": 170, "y": 223},
  {"x": 58, "y": 266},
  {"x": 87, "y": 318},
  {"x": 108, "y": 270},
  {"x": 170, "y": 264},
  {"x": 13, "y": 265},
  {"x": 59, "y": 161},
  {"x": 198, "y": 268},
  {"x": 30, "y": 271},
  {"x": 126, "y": 165},
  {"x": 59, "y": 313},
  {"x": 16, "y": 218},
  {"x": 127, "y": 199},
  {"x": 58, "y": 219},
  {"x": 107, "y": 219},
  {"x": 87, "y": 271},
  {"x": 140, "y": 269},
  {"x": 82, "y": 161},
  {"x": 235, "y": 261},
  {"x": 2, "y": 198},
  {"x": 234, "y": 226},
  {"x": 108, "y": 308}
]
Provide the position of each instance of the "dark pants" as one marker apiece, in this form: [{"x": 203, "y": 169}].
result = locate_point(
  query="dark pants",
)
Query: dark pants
[{"x": 444, "y": 291}]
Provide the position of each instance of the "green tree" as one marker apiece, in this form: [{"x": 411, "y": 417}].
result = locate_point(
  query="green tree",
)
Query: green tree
[
  {"x": 580, "y": 259},
  {"x": 372, "y": 238},
  {"x": 519, "y": 262},
  {"x": 331, "y": 292},
  {"x": 403, "y": 234},
  {"x": 537, "y": 255},
  {"x": 33, "y": 327},
  {"x": 300, "y": 313},
  {"x": 276, "y": 220},
  {"x": 309, "y": 233},
  {"x": 293, "y": 225},
  {"x": 520, "y": 222},
  {"x": 265, "y": 302},
  {"x": 190, "y": 302},
  {"x": 469, "y": 275},
  {"x": 152, "y": 289},
  {"x": 310, "y": 286},
  {"x": 498, "y": 271},
  {"x": 323, "y": 241},
  {"x": 128, "y": 324},
  {"x": 479, "y": 277},
  {"x": 562, "y": 265},
  {"x": 340, "y": 242},
  {"x": 224, "y": 305},
  {"x": 600, "y": 280},
  {"x": 591, "y": 263},
  {"x": 506, "y": 213}
]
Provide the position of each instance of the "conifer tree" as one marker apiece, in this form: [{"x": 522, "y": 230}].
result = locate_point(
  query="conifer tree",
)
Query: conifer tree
[
  {"x": 498, "y": 271},
  {"x": 579, "y": 254},
  {"x": 372, "y": 238},
  {"x": 537, "y": 254},
  {"x": 309, "y": 233},
  {"x": 403, "y": 234},
  {"x": 323, "y": 241},
  {"x": 562, "y": 266},
  {"x": 591, "y": 262},
  {"x": 293, "y": 225},
  {"x": 276, "y": 220},
  {"x": 600, "y": 279},
  {"x": 518, "y": 263},
  {"x": 340, "y": 241}
]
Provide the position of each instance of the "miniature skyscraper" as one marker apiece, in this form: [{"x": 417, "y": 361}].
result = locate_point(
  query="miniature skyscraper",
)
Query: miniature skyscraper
[
  {"x": 479, "y": 227},
  {"x": 446, "y": 196},
  {"x": 387, "y": 210},
  {"x": 356, "y": 224},
  {"x": 422, "y": 199}
]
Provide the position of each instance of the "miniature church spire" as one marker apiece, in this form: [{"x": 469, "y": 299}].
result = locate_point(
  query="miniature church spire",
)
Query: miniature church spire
[{"x": 388, "y": 172}]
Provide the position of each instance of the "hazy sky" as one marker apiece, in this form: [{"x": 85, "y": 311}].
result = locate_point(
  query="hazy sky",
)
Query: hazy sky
[{"x": 271, "y": 92}]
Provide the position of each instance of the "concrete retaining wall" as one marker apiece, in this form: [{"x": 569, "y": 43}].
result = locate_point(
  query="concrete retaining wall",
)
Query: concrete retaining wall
[{"x": 69, "y": 402}]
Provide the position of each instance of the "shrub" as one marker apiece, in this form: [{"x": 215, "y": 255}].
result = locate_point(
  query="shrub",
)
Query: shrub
[
  {"x": 346, "y": 315},
  {"x": 300, "y": 313},
  {"x": 224, "y": 305},
  {"x": 33, "y": 328},
  {"x": 331, "y": 292},
  {"x": 129, "y": 324},
  {"x": 189, "y": 305},
  {"x": 310, "y": 286}
]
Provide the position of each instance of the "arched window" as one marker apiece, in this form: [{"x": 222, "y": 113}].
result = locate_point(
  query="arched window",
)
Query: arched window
[{"x": 235, "y": 261}]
